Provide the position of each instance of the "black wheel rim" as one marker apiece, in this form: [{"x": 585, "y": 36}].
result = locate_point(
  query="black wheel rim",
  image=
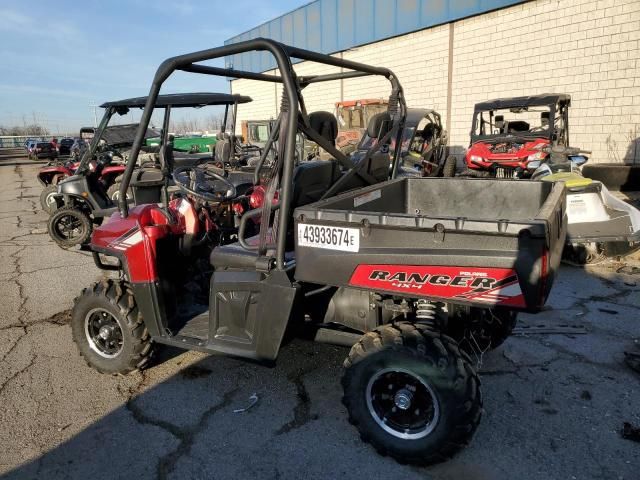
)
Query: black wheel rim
[
  {"x": 69, "y": 226},
  {"x": 402, "y": 404},
  {"x": 103, "y": 333}
]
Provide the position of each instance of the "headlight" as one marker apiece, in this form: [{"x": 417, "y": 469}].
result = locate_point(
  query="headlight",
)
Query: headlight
[
  {"x": 476, "y": 158},
  {"x": 536, "y": 156}
]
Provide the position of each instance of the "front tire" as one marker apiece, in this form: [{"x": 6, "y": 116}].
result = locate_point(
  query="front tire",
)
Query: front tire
[
  {"x": 109, "y": 330},
  {"x": 69, "y": 226},
  {"x": 412, "y": 393},
  {"x": 48, "y": 200}
]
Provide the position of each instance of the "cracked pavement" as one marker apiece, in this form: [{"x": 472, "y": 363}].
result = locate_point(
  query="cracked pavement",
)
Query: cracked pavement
[{"x": 554, "y": 404}]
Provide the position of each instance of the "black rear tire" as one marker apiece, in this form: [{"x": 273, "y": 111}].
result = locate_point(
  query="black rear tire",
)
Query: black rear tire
[
  {"x": 450, "y": 166},
  {"x": 47, "y": 200},
  {"x": 69, "y": 226},
  {"x": 113, "y": 192},
  {"x": 113, "y": 301},
  {"x": 438, "y": 367}
]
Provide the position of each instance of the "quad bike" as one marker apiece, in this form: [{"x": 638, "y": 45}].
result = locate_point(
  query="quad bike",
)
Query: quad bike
[
  {"x": 503, "y": 147},
  {"x": 54, "y": 172},
  {"x": 599, "y": 224},
  {"x": 402, "y": 270},
  {"x": 87, "y": 197}
]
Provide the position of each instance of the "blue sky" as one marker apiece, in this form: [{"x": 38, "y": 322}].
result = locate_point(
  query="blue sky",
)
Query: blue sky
[{"x": 58, "y": 57}]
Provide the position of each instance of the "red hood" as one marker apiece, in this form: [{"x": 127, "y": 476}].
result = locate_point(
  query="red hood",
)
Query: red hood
[{"x": 510, "y": 153}]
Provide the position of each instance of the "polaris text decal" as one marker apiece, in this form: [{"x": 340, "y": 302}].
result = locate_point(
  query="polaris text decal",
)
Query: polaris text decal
[{"x": 492, "y": 286}]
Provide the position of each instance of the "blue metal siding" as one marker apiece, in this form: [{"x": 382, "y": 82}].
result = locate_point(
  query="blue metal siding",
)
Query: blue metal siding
[{"x": 330, "y": 26}]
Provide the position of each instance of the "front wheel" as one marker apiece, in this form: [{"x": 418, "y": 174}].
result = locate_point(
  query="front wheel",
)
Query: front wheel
[
  {"x": 69, "y": 226},
  {"x": 412, "y": 393},
  {"x": 109, "y": 330},
  {"x": 48, "y": 200}
]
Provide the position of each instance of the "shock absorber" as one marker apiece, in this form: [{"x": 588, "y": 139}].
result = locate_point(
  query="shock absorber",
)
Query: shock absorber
[{"x": 425, "y": 311}]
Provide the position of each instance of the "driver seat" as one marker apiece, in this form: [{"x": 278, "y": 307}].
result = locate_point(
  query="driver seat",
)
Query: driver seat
[{"x": 310, "y": 181}]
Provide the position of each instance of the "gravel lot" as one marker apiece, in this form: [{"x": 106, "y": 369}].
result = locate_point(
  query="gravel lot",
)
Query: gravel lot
[{"x": 554, "y": 403}]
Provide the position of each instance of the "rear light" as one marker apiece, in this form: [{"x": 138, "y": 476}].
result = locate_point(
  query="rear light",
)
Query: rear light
[{"x": 238, "y": 209}]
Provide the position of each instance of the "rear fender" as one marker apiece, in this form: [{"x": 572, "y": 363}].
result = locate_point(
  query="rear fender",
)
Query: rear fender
[
  {"x": 52, "y": 175},
  {"x": 109, "y": 174}
]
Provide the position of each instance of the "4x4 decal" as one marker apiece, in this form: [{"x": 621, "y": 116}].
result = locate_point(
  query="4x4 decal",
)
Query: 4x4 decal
[{"x": 496, "y": 286}]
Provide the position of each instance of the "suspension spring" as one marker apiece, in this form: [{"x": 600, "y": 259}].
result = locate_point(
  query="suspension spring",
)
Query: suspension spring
[{"x": 425, "y": 311}]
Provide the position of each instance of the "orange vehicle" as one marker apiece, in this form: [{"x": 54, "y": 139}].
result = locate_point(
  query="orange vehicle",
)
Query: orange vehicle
[{"x": 353, "y": 117}]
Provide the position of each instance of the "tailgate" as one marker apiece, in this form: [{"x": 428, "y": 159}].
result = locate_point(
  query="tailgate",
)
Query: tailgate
[{"x": 511, "y": 263}]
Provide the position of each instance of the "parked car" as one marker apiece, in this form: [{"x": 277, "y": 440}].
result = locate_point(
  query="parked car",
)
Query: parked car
[
  {"x": 29, "y": 142},
  {"x": 43, "y": 150},
  {"x": 64, "y": 147},
  {"x": 29, "y": 145}
]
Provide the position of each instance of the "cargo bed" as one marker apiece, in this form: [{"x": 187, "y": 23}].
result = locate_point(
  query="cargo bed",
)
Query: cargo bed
[{"x": 470, "y": 241}]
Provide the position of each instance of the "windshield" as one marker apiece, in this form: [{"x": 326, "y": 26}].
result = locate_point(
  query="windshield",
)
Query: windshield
[{"x": 523, "y": 121}]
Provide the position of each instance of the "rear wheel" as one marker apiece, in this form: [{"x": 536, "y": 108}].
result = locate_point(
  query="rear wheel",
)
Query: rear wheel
[
  {"x": 449, "y": 167},
  {"x": 48, "y": 199},
  {"x": 109, "y": 330},
  {"x": 113, "y": 192},
  {"x": 412, "y": 393},
  {"x": 69, "y": 226}
]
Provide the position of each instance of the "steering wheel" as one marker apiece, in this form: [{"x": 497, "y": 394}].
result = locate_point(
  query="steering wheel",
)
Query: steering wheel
[{"x": 205, "y": 184}]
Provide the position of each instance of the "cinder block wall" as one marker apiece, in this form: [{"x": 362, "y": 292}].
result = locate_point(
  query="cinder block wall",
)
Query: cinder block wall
[{"x": 587, "y": 48}]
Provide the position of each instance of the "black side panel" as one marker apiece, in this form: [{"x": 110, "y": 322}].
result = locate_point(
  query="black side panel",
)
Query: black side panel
[
  {"x": 151, "y": 306},
  {"x": 248, "y": 315}
]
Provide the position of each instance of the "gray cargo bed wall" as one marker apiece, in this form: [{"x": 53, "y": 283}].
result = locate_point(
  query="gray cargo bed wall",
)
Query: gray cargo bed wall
[{"x": 447, "y": 222}]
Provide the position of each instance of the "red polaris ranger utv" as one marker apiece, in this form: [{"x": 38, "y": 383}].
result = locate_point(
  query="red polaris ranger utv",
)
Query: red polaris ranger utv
[
  {"x": 408, "y": 272},
  {"x": 508, "y": 133}
]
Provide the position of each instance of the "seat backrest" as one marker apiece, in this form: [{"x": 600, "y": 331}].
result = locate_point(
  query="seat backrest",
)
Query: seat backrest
[
  {"x": 312, "y": 179},
  {"x": 325, "y": 124},
  {"x": 379, "y": 163},
  {"x": 544, "y": 119},
  {"x": 499, "y": 123},
  {"x": 518, "y": 126}
]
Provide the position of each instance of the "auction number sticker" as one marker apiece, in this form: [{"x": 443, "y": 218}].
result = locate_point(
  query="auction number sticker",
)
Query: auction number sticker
[{"x": 331, "y": 238}]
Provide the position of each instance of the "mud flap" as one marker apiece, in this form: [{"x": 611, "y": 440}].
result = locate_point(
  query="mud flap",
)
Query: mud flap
[{"x": 249, "y": 313}]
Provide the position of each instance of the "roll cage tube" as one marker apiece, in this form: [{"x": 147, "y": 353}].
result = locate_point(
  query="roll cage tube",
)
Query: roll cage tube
[{"x": 282, "y": 55}]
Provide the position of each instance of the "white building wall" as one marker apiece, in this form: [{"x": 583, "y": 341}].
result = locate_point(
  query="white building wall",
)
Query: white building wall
[{"x": 589, "y": 49}]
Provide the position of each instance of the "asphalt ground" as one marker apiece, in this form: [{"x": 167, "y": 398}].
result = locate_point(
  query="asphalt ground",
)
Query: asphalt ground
[{"x": 555, "y": 404}]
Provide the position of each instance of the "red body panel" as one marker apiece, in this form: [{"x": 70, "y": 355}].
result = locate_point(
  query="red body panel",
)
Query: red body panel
[
  {"x": 512, "y": 159},
  {"x": 490, "y": 286},
  {"x": 111, "y": 172},
  {"x": 133, "y": 239},
  {"x": 52, "y": 175}
]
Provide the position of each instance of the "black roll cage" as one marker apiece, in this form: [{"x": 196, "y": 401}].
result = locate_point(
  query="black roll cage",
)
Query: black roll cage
[
  {"x": 293, "y": 115},
  {"x": 560, "y": 106},
  {"x": 185, "y": 100}
]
